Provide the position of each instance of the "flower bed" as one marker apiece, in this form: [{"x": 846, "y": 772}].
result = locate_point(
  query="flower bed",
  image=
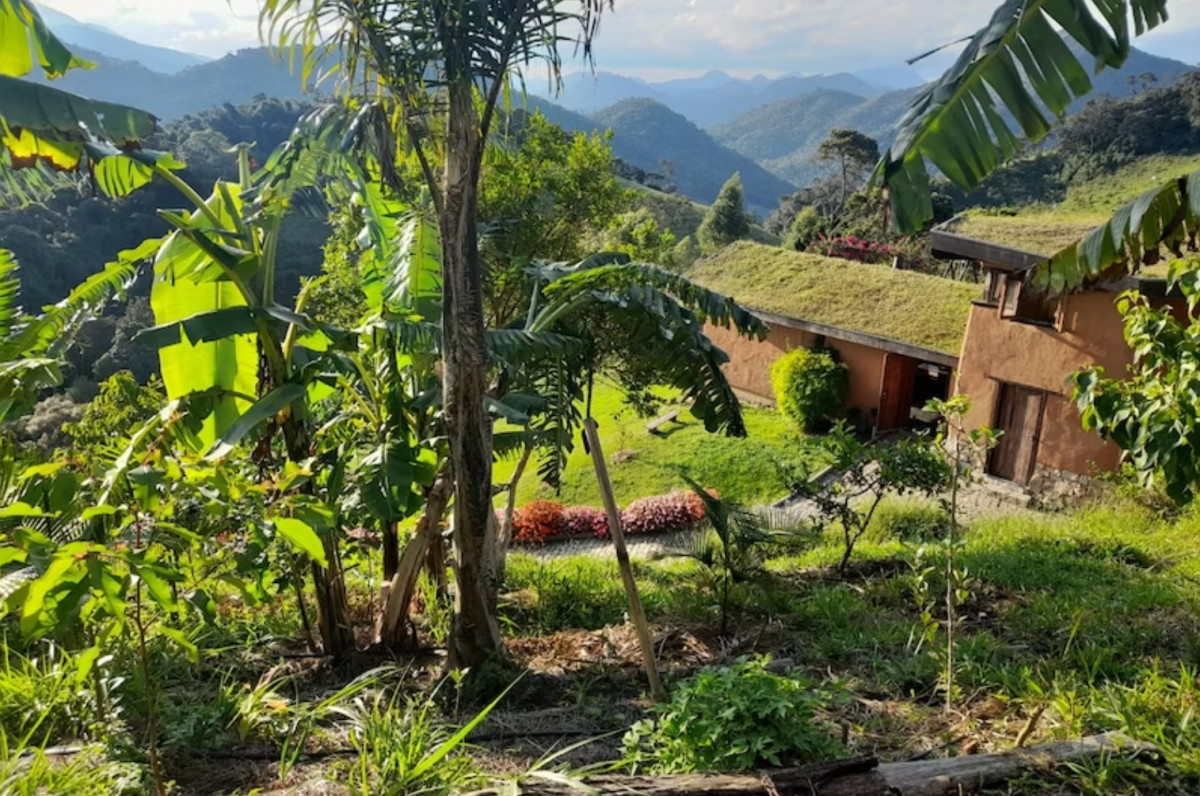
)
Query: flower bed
[{"x": 547, "y": 521}]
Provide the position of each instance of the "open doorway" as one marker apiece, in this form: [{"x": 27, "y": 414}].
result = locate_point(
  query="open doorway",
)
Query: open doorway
[{"x": 908, "y": 385}]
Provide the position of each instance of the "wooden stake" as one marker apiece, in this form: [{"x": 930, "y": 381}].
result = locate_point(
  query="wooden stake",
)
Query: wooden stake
[{"x": 636, "y": 612}]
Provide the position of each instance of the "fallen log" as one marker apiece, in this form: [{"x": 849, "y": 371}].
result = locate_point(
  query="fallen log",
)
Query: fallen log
[
  {"x": 856, "y": 777},
  {"x": 865, "y": 776},
  {"x": 952, "y": 776}
]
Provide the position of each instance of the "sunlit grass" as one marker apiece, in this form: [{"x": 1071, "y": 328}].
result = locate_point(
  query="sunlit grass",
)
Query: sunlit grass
[{"x": 642, "y": 464}]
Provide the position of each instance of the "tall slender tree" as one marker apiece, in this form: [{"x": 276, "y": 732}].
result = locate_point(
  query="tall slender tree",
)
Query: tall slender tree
[
  {"x": 442, "y": 67},
  {"x": 726, "y": 221}
]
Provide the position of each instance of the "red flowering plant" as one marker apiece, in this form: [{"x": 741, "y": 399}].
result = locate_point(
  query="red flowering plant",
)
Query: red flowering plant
[
  {"x": 863, "y": 250},
  {"x": 538, "y": 521}
]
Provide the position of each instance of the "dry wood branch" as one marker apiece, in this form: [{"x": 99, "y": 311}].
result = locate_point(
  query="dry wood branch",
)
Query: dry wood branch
[{"x": 953, "y": 776}]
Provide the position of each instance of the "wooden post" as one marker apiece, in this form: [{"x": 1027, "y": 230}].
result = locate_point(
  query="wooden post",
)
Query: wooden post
[{"x": 636, "y": 613}]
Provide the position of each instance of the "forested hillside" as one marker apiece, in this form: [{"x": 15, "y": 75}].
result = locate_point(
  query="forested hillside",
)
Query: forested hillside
[
  {"x": 782, "y": 137},
  {"x": 653, "y": 137}
]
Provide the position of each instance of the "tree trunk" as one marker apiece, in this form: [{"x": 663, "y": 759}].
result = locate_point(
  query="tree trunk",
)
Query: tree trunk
[
  {"x": 391, "y": 551},
  {"x": 504, "y": 538},
  {"x": 475, "y": 634},
  {"x": 403, "y": 584}
]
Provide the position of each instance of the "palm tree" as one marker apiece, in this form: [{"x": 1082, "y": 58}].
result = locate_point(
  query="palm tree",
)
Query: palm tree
[{"x": 442, "y": 66}]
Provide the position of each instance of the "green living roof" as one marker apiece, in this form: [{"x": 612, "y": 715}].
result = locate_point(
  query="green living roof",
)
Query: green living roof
[
  {"x": 1038, "y": 233},
  {"x": 904, "y": 306}
]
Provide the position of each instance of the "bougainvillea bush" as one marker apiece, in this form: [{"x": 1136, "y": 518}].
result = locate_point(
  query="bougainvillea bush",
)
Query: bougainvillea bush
[{"x": 863, "y": 250}]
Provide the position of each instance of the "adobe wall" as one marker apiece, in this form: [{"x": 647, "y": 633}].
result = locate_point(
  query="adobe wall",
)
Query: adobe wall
[
  {"x": 750, "y": 361},
  {"x": 1001, "y": 350}
]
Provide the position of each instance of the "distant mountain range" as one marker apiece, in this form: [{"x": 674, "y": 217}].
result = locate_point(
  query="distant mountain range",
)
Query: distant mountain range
[
  {"x": 783, "y": 136},
  {"x": 716, "y": 97},
  {"x": 99, "y": 39},
  {"x": 237, "y": 78},
  {"x": 695, "y": 131}
]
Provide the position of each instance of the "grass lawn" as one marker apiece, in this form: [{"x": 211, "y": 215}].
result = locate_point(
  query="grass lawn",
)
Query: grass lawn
[
  {"x": 1091, "y": 622},
  {"x": 742, "y": 470}
]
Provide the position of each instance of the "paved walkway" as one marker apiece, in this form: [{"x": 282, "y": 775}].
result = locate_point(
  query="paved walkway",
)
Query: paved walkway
[{"x": 978, "y": 500}]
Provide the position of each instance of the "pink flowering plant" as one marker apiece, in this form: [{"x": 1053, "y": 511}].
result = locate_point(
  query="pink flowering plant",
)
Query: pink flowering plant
[{"x": 585, "y": 520}]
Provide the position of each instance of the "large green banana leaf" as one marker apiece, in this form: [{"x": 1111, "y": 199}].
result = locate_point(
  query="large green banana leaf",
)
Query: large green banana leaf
[
  {"x": 41, "y": 126},
  {"x": 1020, "y": 64},
  {"x": 186, "y": 284},
  {"x": 25, "y": 38}
]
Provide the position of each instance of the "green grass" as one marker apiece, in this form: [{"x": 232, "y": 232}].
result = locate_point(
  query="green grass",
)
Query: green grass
[
  {"x": 1101, "y": 196},
  {"x": 1045, "y": 229},
  {"x": 683, "y": 216},
  {"x": 908, "y": 307},
  {"x": 1041, "y": 232},
  {"x": 742, "y": 470},
  {"x": 1093, "y": 618}
]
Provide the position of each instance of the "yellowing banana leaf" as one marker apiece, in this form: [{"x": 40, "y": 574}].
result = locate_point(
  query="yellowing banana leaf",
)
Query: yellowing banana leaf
[
  {"x": 43, "y": 126},
  {"x": 25, "y": 37},
  {"x": 229, "y": 364}
]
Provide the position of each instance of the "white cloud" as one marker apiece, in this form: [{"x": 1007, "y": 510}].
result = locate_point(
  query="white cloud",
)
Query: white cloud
[
  {"x": 206, "y": 27},
  {"x": 654, "y": 37}
]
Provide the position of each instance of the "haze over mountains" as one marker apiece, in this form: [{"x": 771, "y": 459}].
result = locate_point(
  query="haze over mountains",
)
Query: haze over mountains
[
  {"x": 99, "y": 39},
  {"x": 695, "y": 131}
]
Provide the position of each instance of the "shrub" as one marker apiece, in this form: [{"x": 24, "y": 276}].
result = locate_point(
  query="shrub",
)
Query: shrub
[
  {"x": 536, "y": 522},
  {"x": 678, "y": 511},
  {"x": 579, "y": 520},
  {"x": 811, "y": 387},
  {"x": 733, "y": 719}
]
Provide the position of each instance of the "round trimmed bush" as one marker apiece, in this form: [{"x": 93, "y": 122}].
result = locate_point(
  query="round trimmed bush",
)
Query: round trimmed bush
[{"x": 811, "y": 387}]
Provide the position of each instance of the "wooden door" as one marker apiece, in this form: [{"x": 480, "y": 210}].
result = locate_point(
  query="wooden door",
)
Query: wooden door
[
  {"x": 1019, "y": 416},
  {"x": 896, "y": 395}
]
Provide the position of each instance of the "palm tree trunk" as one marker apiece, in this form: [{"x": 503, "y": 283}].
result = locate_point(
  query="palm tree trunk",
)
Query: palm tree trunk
[{"x": 475, "y": 634}]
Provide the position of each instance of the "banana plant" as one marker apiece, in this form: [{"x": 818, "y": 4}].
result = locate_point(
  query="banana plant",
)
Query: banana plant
[
  {"x": 221, "y": 333},
  {"x": 47, "y": 130}
]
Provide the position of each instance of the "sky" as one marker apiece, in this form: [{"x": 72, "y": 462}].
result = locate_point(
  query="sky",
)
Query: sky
[{"x": 664, "y": 39}]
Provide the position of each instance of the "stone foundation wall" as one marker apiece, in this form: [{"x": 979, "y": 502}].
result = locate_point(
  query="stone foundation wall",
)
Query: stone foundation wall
[{"x": 1057, "y": 490}]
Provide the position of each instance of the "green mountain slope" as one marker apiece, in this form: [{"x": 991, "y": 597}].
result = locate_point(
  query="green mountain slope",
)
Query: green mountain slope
[
  {"x": 647, "y": 133},
  {"x": 783, "y": 137}
]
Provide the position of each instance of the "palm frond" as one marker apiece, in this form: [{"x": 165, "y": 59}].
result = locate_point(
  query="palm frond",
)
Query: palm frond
[
  {"x": 52, "y": 332},
  {"x": 513, "y": 348},
  {"x": 1020, "y": 66},
  {"x": 1167, "y": 216}
]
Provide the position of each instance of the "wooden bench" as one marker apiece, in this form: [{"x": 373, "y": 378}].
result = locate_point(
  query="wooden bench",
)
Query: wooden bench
[{"x": 654, "y": 426}]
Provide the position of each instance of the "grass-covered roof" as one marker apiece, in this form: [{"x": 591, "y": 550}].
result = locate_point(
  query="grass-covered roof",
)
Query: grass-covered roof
[
  {"x": 903, "y": 306},
  {"x": 1042, "y": 233}
]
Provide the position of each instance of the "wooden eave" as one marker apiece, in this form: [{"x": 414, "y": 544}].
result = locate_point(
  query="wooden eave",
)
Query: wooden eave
[
  {"x": 860, "y": 338},
  {"x": 949, "y": 246}
]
